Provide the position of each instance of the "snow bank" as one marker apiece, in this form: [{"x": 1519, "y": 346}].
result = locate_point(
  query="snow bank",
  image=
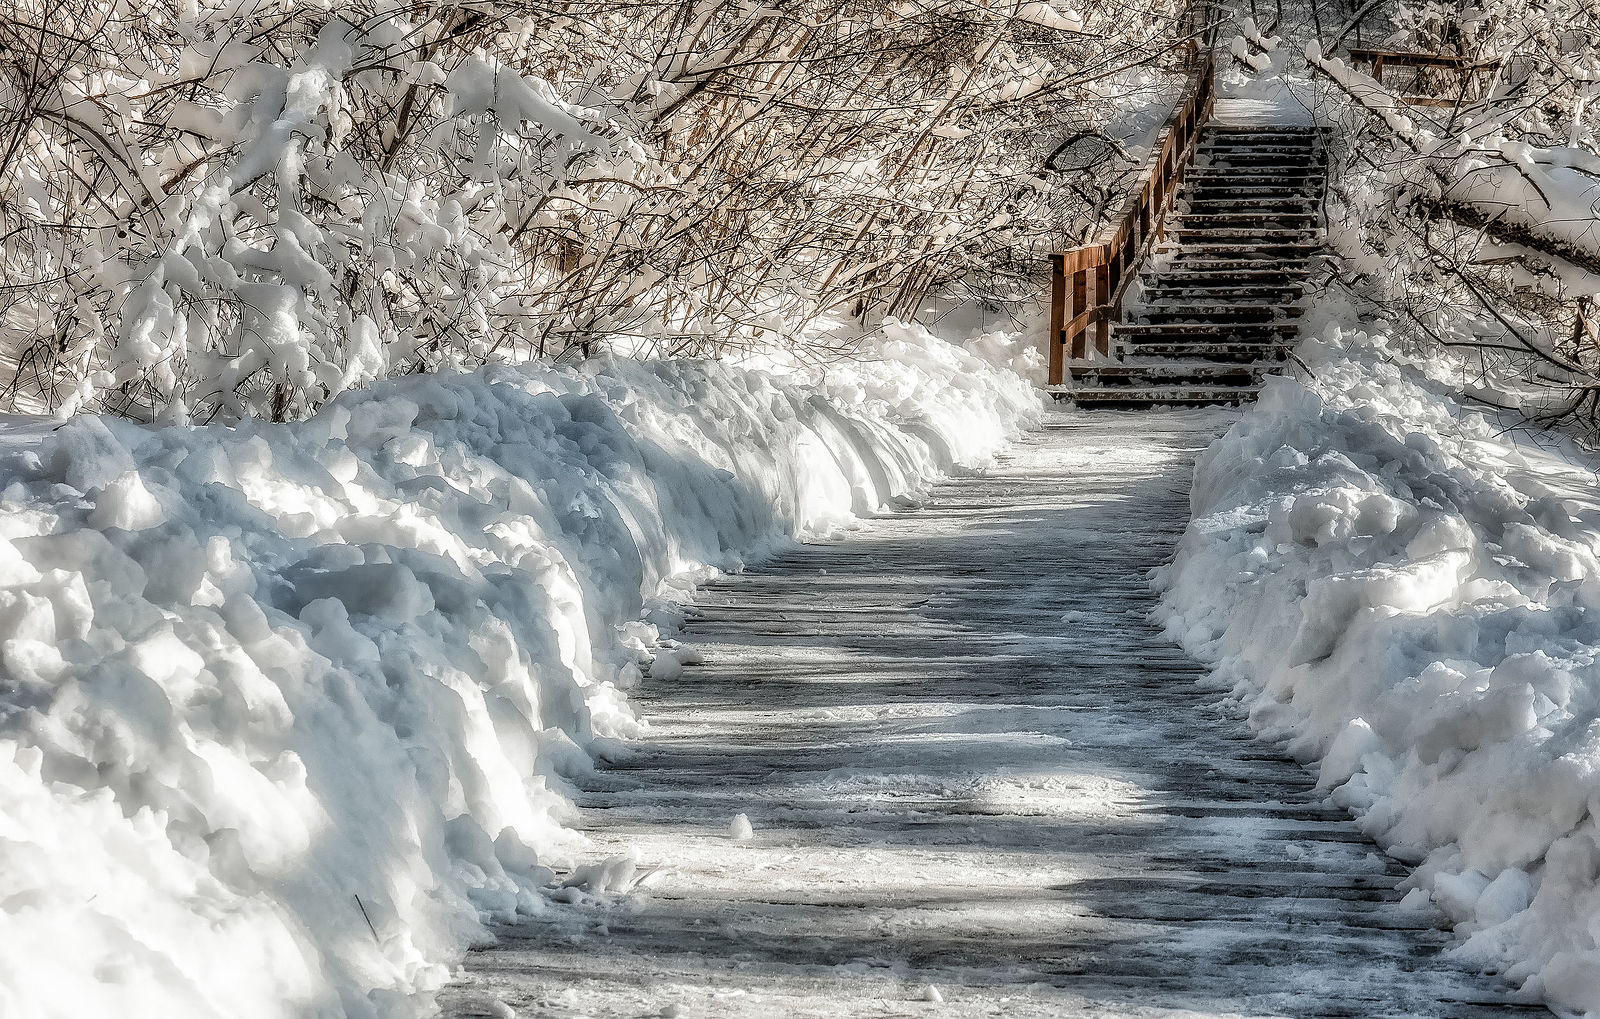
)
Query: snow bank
[
  {"x": 284, "y": 707},
  {"x": 1410, "y": 594}
]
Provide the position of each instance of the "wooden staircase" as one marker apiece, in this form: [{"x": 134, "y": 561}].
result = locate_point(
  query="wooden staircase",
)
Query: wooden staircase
[{"x": 1217, "y": 303}]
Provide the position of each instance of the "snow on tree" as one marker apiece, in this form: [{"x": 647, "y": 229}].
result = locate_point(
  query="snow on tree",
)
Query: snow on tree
[
  {"x": 1474, "y": 221},
  {"x": 224, "y": 209}
]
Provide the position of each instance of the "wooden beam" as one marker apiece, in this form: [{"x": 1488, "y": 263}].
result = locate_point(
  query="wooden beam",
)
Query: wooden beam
[{"x": 1055, "y": 352}]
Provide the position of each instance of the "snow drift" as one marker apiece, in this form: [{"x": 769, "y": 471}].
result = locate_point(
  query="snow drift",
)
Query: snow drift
[
  {"x": 1409, "y": 592},
  {"x": 284, "y": 707}
]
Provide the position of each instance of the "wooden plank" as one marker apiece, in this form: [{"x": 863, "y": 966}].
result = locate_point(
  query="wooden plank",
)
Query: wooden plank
[
  {"x": 1055, "y": 352},
  {"x": 1448, "y": 61}
]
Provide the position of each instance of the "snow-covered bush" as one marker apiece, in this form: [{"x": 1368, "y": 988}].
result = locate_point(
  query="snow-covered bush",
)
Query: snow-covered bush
[
  {"x": 1475, "y": 224},
  {"x": 284, "y": 707},
  {"x": 212, "y": 208}
]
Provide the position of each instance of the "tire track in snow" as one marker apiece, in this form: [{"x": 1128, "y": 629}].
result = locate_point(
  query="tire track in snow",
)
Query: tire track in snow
[{"x": 973, "y": 765}]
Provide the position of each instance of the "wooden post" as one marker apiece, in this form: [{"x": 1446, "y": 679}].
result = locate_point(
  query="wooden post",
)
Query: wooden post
[
  {"x": 1055, "y": 346},
  {"x": 1102, "y": 300},
  {"x": 1079, "y": 302}
]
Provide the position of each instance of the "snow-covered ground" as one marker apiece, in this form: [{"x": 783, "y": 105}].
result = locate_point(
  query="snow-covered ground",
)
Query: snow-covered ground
[
  {"x": 1408, "y": 590},
  {"x": 284, "y": 708}
]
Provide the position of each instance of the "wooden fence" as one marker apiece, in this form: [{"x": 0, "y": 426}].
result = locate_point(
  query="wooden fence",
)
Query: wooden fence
[
  {"x": 1087, "y": 283},
  {"x": 1464, "y": 69}
]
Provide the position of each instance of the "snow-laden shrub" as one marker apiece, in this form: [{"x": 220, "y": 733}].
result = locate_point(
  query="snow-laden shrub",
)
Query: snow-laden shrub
[
  {"x": 213, "y": 210},
  {"x": 1473, "y": 224}
]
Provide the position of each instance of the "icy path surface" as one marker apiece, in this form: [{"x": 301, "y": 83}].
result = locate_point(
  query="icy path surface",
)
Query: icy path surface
[{"x": 975, "y": 773}]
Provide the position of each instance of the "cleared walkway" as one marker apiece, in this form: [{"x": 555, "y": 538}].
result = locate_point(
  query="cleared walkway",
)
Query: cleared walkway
[{"x": 977, "y": 773}]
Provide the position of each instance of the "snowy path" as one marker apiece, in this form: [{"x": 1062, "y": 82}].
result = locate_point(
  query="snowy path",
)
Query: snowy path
[{"x": 1036, "y": 825}]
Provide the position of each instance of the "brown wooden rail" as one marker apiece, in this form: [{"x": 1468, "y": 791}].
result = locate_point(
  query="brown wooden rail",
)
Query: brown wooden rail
[
  {"x": 1465, "y": 66},
  {"x": 1087, "y": 283}
]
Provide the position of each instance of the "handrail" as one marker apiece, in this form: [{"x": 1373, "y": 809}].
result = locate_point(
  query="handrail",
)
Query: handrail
[
  {"x": 1466, "y": 66},
  {"x": 1087, "y": 283}
]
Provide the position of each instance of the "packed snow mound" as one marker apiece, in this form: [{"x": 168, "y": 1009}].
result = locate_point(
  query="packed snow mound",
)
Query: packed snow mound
[
  {"x": 284, "y": 708},
  {"x": 1409, "y": 592}
]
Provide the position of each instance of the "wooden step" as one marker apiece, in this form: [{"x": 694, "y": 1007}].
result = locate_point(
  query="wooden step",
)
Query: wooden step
[
  {"x": 1299, "y": 223},
  {"x": 1247, "y": 282},
  {"x": 1166, "y": 370},
  {"x": 1231, "y": 314},
  {"x": 1259, "y": 166},
  {"x": 1257, "y": 186},
  {"x": 1164, "y": 306},
  {"x": 1232, "y": 203},
  {"x": 1238, "y": 247},
  {"x": 1258, "y": 162},
  {"x": 1295, "y": 230},
  {"x": 1237, "y": 259},
  {"x": 1243, "y": 260},
  {"x": 1206, "y": 331},
  {"x": 1260, "y": 129},
  {"x": 1234, "y": 194},
  {"x": 1158, "y": 293},
  {"x": 1249, "y": 273},
  {"x": 1235, "y": 351},
  {"x": 1164, "y": 291},
  {"x": 1242, "y": 177},
  {"x": 1303, "y": 219},
  {"x": 1261, "y": 147},
  {"x": 1155, "y": 396}
]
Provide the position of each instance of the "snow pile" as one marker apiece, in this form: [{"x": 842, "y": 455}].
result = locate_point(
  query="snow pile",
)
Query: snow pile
[
  {"x": 1410, "y": 594},
  {"x": 283, "y": 707}
]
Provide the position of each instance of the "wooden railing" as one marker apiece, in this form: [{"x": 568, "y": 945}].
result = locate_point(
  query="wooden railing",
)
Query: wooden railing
[
  {"x": 1465, "y": 67},
  {"x": 1087, "y": 283}
]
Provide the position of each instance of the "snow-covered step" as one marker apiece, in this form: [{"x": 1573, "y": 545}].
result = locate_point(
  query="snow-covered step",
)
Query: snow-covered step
[
  {"x": 1231, "y": 313},
  {"x": 1277, "y": 188},
  {"x": 1240, "y": 209},
  {"x": 1223, "y": 191},
  {"x": 1243, "y": 285},
  {"x": 1262, "y": 165},
  {"x": 1262, "y": 147},
  {"x": 1168, "y": 295},
  {"x": 1246, "y": 178},
  {"x": 1239, "y": 351},
  {"x": 1284, "y": 156},
  {"x": 1213, "y": 232},
  {"x": 1244, "y": 261},
  {"x": 1298, "y": 219},
  {"x": 1275, "y": 130},
  {"x": 1177, "y": 395},
  {"x": 1212, "y": 330},
  {"x": 1185, "y": 270},
  {"x": 1294, "y": 201},
  {"x": 1152, "y": 370},
  {"x": 1235, "y": 247}
]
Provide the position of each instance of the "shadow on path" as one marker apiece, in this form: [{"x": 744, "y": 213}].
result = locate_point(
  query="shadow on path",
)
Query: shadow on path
[{"x": 972, "y": 762}]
